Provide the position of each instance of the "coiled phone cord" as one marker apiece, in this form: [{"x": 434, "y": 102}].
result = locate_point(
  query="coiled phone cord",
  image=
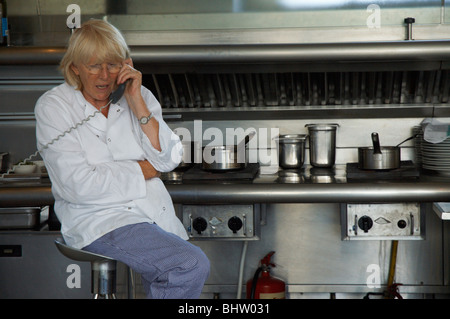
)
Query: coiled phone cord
[{"x": 11, "y": 170}]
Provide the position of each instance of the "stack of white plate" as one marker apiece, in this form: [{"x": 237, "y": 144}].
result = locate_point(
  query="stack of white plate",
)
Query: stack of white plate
[
  {"x": 436, "y": 157},
  {"x": 418, "y": 133}
]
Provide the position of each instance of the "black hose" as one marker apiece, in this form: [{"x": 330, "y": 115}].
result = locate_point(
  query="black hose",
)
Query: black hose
[{"x": 255, "y": 280}]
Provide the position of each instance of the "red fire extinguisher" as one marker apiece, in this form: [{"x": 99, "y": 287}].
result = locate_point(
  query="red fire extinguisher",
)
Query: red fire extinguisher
[{"x": 265, "y": 286}]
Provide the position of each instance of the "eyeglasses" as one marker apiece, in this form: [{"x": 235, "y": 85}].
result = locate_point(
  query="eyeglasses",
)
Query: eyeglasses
[{"x": 97, "y": 68}]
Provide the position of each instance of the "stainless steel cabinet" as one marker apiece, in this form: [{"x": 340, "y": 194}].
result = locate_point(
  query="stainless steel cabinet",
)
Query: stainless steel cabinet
[{"x": 32, "y": 267}]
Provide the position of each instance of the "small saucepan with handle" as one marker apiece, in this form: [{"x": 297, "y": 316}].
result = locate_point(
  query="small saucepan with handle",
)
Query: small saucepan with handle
[
  {"x": 379, "y": 157},
  {"x": 226, "y": 157}
]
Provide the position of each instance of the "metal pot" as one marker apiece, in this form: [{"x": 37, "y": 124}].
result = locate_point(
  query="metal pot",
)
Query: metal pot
[
  {"x": 291, "y": 150},
  {"x": 322, "y": 144},
  {"x": 191, "y": 152},
  {"x": 226, "y": 157},
  {"x": 378, "y": 157}
]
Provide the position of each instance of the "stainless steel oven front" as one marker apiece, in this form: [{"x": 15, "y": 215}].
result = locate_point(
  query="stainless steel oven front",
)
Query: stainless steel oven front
[
  {"x": 378, "y": 221},
  {"x": 222, "y": 222}
]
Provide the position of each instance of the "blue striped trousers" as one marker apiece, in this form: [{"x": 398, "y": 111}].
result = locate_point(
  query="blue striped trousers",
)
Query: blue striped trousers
[{"x": 170, "y": 267}]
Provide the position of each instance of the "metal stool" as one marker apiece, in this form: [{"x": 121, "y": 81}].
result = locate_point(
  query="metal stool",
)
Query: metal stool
[{"x": 103, "y": 269}]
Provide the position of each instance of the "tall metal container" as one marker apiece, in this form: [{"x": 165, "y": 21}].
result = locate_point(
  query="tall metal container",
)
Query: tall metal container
[{"x": 322, "y": 144}]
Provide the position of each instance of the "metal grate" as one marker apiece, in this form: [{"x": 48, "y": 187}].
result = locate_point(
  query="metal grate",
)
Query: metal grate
[{"x": 194, "y": 90}]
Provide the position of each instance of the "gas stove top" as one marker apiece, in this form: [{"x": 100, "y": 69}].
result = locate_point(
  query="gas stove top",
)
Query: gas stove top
[
  {"x": 407, "y": 170},
  {"x": 197, "y": 173}
]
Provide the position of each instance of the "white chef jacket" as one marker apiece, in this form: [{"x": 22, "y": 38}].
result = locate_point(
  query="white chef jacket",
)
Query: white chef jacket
[{"x": 97, "y": 183}]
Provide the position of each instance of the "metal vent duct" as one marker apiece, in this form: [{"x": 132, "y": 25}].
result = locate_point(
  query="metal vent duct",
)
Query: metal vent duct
[
  {"x": 342, "y": 78},
  {"x": 193, "y": 90}
]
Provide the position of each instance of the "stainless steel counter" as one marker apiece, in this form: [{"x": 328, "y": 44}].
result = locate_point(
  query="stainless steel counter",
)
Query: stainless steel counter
[
  {"x": 282, "y": 187},
  {"x": 310, "y": 193}
]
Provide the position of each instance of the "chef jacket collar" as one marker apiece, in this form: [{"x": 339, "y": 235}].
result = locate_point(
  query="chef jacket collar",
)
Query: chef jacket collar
[{"x": 98, "y": 121}]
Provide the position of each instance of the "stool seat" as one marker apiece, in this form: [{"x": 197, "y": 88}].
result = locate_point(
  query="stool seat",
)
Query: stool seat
[
  {"x": 78, "y": 254},
  {"x": 103, "y": 269}
]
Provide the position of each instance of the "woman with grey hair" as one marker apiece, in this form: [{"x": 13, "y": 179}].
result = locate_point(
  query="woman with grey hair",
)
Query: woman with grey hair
[{"x": 105, "y": 170}]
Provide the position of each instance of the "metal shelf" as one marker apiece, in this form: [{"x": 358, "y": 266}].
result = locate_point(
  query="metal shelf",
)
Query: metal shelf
[{"x": 289, "y": 113}]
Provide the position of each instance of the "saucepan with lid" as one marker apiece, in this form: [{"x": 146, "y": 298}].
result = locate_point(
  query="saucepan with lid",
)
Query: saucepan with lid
[
  {"x": 226, "y": 157},
  {"x": 191, "y": 152}
]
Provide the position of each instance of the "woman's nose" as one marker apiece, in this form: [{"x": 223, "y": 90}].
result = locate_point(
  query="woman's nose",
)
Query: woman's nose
[{"x": 104, "y": 73}]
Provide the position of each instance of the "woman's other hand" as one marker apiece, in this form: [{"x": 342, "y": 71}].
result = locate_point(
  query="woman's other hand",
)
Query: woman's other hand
[{"x": 148, "y": 170}]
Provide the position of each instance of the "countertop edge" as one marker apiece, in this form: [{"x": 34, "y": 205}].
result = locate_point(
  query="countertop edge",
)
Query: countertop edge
[{"x": 31, "y": 196}]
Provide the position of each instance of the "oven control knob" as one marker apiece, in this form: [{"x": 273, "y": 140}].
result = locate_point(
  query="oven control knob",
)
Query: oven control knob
[
  {"x": 199, "y": 224},
  {"x": 402, "y": 223},
  {"x": 365, "y": 223},
  {"x": 235, "y": 223}
]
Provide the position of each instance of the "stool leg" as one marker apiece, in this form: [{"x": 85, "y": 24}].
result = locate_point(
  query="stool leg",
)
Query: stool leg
[
  {"x": 131, "y": 284},
  {"x": 107, "y": 296},
  {"x": 103, "y": 279}
]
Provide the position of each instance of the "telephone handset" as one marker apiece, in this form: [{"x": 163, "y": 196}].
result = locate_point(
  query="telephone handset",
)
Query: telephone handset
[
  {"x": 114, "y": 97},
  {"x": 117, "y": 94}
]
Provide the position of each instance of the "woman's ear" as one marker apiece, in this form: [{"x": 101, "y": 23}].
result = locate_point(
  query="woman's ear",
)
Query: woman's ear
[
  {"x": 75, "y": 69},
  {"x": 129, "y": 61}
]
